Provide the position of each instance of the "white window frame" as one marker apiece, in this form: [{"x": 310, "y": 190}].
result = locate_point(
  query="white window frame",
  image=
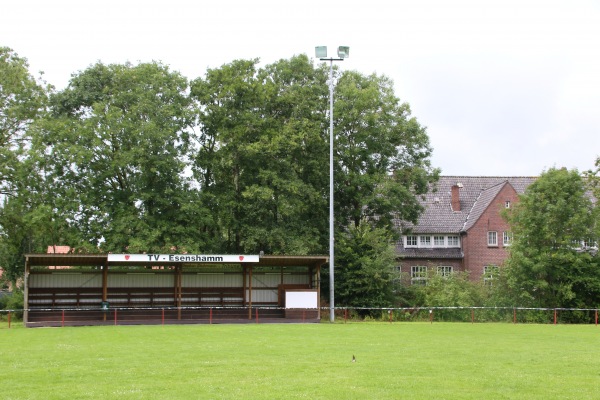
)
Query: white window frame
[
  {"x": 436, "y": 241},
  {"x": 411, "y": 241},
  {"x": 445, "y": 270},
  {"x": 429, "y": 241},
  {"x": 507, "y": 204},
  {"x": 506, "y": 239},
  {"x": 453, "y": 238},
  {"x": 489, "y": 271},
  {"x": 418, "y": 275},
  {"x": 492, "y": 239}
]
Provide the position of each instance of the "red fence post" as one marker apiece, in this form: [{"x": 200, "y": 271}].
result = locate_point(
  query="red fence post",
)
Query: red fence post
[
  {"x": 256, "y": 309},
  {"x": 472, "y": 316},
  {"x": 62, "y": 322},
  {"x": 514, "y": 315},
  {"x": 163, "y": 316},
  {"x": 596, "y": 317},
  {"x": 115, "y": 317},
  {"x": 9, "y": 319},
  {"x": 210, "y": 316},
  {"x": 555, "y": 316}
]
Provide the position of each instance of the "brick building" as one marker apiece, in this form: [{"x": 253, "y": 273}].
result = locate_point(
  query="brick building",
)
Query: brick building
[{"x": 461, "y": 229}]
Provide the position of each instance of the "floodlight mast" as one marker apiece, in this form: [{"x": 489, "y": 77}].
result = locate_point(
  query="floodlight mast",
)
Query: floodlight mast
[{"x": 321, "y": 53}]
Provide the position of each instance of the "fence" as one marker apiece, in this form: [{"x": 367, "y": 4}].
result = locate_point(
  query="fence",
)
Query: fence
[
  {"x": 472, "y": 314},
  {"x": 210, "y": 315}
]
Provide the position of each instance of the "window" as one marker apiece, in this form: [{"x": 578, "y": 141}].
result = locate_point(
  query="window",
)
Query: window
[
  {"x": 506, "y": 239},
  {"x": 444, "y": 271},
  {"x": 492, "y": 238},
  {"x": 589, "y": 244},
  {"x": 489, "y": 272},
  {"x": 453, "y": 241},
  {"x": 418, "y": 275},
  {"x": 507, "y": 204},
  {"x": 426, "y": 241}
]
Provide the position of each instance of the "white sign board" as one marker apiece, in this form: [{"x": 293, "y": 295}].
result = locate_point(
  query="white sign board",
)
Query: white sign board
[
  {"x": 301, "y": 299},
  {"x": 204, "y": 258}
]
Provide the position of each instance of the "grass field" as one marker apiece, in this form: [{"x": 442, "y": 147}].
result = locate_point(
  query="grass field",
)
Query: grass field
[{"x": 312, "y": 361}]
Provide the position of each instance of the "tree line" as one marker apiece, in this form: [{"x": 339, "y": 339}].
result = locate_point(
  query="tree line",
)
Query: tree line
[{"x": 138, "y": 158}]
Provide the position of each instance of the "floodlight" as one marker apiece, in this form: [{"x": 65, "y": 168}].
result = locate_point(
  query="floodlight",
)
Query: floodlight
[
  {"x": 321, "y": 51},
  {"x": 343, "y": 52}
]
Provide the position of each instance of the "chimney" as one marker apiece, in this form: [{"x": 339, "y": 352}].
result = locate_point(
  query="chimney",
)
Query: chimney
[{"x": 455, "y": 201}]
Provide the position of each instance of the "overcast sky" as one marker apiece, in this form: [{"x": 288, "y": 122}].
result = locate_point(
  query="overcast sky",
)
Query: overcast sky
[{"x": 507, "y": 87}]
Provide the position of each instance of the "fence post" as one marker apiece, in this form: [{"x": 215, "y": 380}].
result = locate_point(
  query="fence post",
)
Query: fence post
[
  {"x": 431, "y": 316},
  {"x": 472, "y": 316},
  {"x": 256, "y": 314},
  {"x": 163, "y": 316},
  {"x": 555, "y": 316},
  {"x": 62, "y": 321},
  {"x": 9, "y": 318},
  {"x": 514, "y": 315},
  {"x": 115, "y": 317},
  {"x": 210, "y": 316},
  {"x": 596, "y": 317},
  {"x": 345, "y": 315}
]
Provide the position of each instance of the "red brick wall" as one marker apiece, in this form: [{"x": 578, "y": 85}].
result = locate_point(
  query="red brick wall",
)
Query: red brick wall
[{"x": 475, "y": 243}]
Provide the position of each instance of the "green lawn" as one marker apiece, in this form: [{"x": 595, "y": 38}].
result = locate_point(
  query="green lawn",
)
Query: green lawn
[{"x": 312, "y": 361}]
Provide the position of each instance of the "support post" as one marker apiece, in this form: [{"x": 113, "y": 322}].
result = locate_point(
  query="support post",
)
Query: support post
[
  {"x": 104, "y": 286},
  {"x": 178, "y": 290},
  {"x": 250, "y": 292},
  {"x": 26, "y": 291},
  {"x": 331, "y": 181}
]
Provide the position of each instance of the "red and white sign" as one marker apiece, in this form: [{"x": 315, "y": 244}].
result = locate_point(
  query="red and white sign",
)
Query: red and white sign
[{"x": 177, "y": 258}]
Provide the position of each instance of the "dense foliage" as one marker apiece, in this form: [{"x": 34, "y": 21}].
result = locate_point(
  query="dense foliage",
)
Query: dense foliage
[
  {"x": 553, "y": 257},
  {"x": 139, "y": 158}
]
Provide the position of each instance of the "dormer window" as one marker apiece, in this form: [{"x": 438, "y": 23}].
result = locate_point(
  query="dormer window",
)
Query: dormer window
[
  {"x": 411, "y": 241},
  {"x": 507, "y": 204},
  {"x": 431, "y": 241}
]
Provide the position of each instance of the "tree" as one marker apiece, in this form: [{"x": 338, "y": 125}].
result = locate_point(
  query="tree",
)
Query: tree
[
  {"x": 366, "y": 275},
  {"x": 592, "y": 179},
  {"x": 261, "y": 154},
  {"x": 382, "y": 153},
  {"x": 22, "y": 99},
  {"x": 112, "y": 153},
  {"x": 552, "y": 262}
]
